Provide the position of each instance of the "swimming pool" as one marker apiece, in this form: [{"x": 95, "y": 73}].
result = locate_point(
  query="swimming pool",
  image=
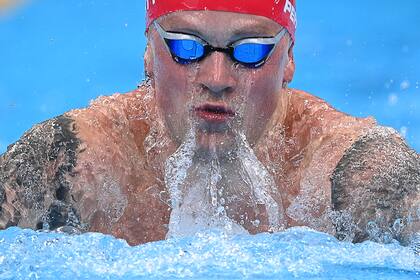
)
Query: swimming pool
[{"x": 298, "y": 253}]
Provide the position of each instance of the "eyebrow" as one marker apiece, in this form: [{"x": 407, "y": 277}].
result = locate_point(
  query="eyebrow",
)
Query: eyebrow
[{"x": 251, "y": 31}]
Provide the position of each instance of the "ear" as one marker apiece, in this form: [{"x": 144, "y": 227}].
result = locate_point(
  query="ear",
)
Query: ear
[
  {"x": 289, "y": 71},
  {"x": 148, "y": 61}
]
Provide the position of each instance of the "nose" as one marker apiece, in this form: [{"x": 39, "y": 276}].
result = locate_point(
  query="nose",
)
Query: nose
[{"x": 215, "y": 74}]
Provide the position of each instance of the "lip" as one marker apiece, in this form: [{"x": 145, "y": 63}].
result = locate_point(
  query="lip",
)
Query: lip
[{"x": 214, "y": 112}]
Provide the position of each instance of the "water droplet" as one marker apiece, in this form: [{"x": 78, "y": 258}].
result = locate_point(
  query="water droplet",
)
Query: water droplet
[
  {"x": 404, "y": 131},
  {"x": 397, "y": 226},
  {"x": 405, "y": 84},
  {"x": 392, "y": 99},
  {"x": 256, "y": 223}
]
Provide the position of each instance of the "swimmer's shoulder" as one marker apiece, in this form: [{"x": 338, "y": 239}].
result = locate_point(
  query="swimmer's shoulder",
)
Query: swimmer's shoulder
[
  {"x": 33, "y": 176},
  {"x": 377, "y": 184},
  {"x": 312, "y": 111},
  {"x": 115, "y": 111},
  {"x": 112, "y": 123},
  {"x": 316, "y": 138},
  {"x": 38, "y": 172},
  {"x": 374, "y": 175},
  {"x": 320, "y": 133}
]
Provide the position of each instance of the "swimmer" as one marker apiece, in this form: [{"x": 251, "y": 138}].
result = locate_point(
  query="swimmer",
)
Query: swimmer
[{"x": 213, "y": 138}]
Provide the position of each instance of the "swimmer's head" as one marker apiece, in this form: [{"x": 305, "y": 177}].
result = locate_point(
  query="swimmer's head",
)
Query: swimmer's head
[{"x": 219, "y": 66}]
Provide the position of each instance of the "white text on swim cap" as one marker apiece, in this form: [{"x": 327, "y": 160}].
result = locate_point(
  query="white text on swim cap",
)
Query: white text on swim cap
[{"x": 288, "y": 7}]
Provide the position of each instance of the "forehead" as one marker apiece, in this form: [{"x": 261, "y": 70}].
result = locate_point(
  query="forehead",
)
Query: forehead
[{"x": 219, "y": 26}]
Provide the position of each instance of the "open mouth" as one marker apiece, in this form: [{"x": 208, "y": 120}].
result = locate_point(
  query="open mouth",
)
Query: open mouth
[{"x": 216, "y": 113}]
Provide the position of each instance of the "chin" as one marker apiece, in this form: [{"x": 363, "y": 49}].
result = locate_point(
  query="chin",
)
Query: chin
[{"x": 223, "y": 145}]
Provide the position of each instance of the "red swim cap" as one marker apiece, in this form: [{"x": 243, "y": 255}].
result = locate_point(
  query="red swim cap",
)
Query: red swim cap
[{"x": 281, "y": 11}]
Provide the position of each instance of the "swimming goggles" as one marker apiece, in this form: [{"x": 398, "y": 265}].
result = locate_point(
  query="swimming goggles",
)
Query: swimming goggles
[{"x": 250, "y": 52}]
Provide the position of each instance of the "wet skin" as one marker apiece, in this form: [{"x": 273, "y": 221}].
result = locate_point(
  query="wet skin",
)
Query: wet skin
[
  {"x": 102, "y": 168},
  {"x": 186, "y": 93}
]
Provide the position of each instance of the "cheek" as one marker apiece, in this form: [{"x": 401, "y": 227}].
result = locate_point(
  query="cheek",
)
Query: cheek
[
  {"x": 261, "y": 100},
  {"x": 264, "y": 93},
  {"x": 171, "y": 91},
  {"x": 170, "y": 84}
]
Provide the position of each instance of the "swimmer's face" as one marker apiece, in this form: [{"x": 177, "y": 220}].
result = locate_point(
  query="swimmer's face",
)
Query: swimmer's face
[{"x": 216, "y": 96}]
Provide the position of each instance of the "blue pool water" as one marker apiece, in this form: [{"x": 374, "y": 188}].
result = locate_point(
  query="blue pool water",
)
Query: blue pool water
[{"x": 298, "y": 253}]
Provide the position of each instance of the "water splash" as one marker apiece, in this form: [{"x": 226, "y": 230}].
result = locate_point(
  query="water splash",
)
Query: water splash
[
  {"x": 262, "y": 183},
  {"x": 213, "y": 193},
  {"x": 176, "y": 168},
  {"x": 195, "y": 194},
  {"x": 297, "y": 253}
]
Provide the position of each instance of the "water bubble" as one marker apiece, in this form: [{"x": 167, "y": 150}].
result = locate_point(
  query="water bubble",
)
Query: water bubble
[
  {"x": 405, "y": 84},
  {"x": 398, "y": 226},
  {"x": 415, "y": 243},
  {"x": 373, "y": 231},
  {"x": 255, "y": 223},
  {"x": 220, "y": 210},
  {"x": 392, "y": 99},
  {"x": 404, "y": 131}
]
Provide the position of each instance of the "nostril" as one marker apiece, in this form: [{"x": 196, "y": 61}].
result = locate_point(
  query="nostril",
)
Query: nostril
[
  {"x": 215, "y": 74},
  {"x": 217, "y": 89}
]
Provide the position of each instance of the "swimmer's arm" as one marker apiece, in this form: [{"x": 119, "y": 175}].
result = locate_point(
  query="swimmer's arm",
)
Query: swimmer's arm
[
  {"x": 33, "y": 177},
  {"x": 376, "y": 189}
]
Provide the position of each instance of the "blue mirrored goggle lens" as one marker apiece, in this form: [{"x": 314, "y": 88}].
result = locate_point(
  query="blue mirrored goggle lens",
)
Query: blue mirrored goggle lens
[
  {"x": 251, "y": 52},
  {"x": 186, "y": 49}
]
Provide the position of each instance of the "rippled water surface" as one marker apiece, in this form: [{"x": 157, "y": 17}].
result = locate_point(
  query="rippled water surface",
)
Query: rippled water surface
[{"x": 298, "y": 253}]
